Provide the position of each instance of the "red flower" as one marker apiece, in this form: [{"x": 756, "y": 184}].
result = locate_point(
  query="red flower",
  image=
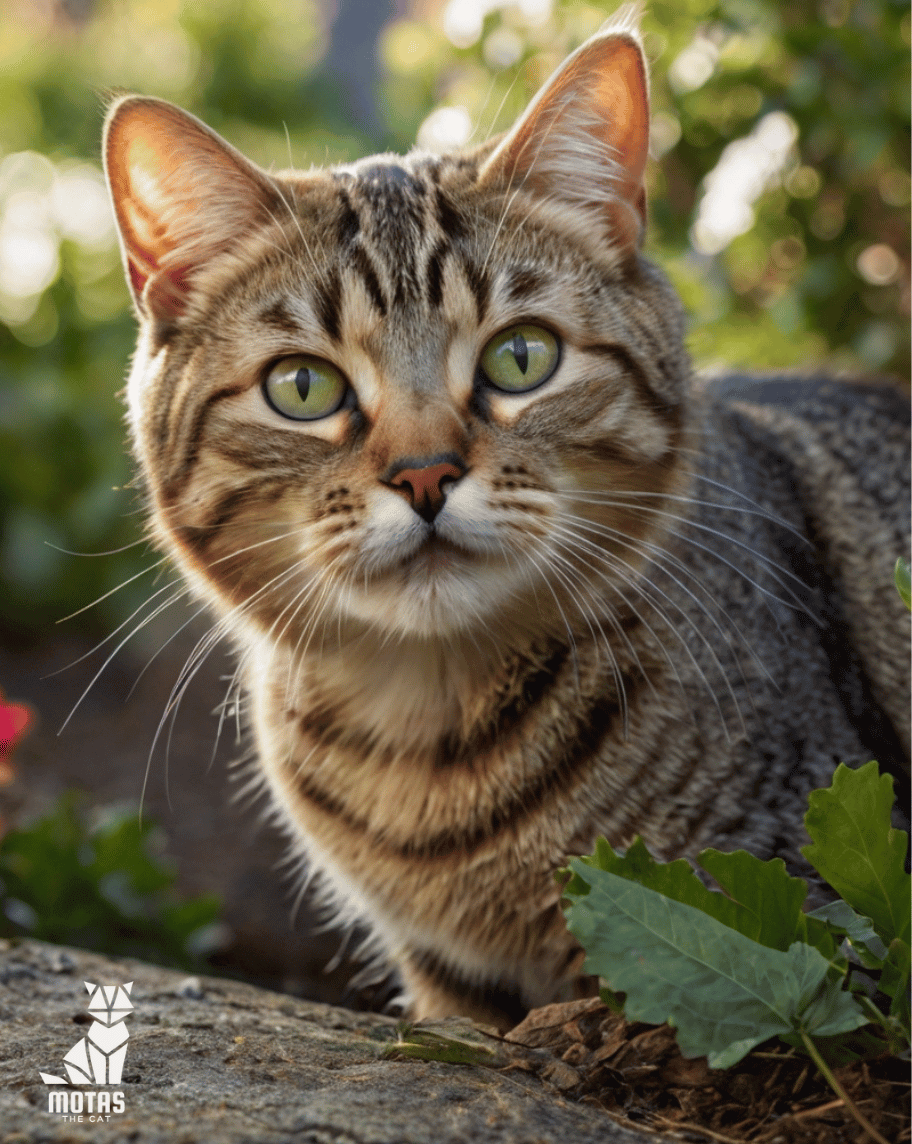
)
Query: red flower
[{"x": 14, "y": 718}]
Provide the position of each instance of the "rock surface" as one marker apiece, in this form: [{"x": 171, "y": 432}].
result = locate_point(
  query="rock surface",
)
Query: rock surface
[{"x": 214, "y": 1060}]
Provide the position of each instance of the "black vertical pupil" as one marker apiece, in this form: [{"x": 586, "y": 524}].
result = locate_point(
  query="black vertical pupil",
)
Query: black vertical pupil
[
  {"x": 521, "y": 352},
  {"x": 302, "y": 382}
]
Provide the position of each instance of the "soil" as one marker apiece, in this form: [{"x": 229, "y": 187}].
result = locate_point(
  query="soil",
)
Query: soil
[{"x": 774, "y": 1096}]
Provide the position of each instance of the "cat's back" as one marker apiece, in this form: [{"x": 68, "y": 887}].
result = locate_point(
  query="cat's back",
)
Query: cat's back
[{"x": 833, "y": 457}]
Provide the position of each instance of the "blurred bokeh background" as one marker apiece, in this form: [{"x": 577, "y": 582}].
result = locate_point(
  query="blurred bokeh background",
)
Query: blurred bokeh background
[
  {"x": 779, "y": 206},
  {"x": 779, "y": 196}
]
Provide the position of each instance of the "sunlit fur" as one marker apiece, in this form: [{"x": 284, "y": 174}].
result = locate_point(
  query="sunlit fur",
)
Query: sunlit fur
[{"x": 648, "y": 607}]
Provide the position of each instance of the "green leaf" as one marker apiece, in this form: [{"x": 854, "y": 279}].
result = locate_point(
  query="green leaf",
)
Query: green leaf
[
  {"x": 614, "y": 1001},
  {"x": 895, "y": 1031},
  {"x": 840, "y": 918},
  {"x": 678, "y": 880},
  {"x": 426, "y": 1045},
  {"x": 856, "y": 1045},
  {"x": 724, "y": 992},
  {"x": 760, "y": 900},
  {"x": 99, "y": 884},
  {"x": 765, "y": 890},
  {"x": 903, "y": 584},
  {"x": 857, "y": 851},
  {"x": 894, "y": 981}
]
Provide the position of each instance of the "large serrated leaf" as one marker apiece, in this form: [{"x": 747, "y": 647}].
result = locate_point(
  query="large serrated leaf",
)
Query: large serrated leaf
[
  {"x": 724, "y": 992},
  {"x": 858, "y": 852},
  {"x": 676, "y": 880},
  {"x": 760, "y": 900},
  {"x": 765, "y": 889}
]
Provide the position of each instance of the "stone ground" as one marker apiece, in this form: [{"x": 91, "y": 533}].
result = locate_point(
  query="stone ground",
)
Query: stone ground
[{"x": 227, "y": 1063}]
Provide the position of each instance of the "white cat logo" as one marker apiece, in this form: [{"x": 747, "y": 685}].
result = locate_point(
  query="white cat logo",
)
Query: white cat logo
[{"x": 98, "y": 1058}]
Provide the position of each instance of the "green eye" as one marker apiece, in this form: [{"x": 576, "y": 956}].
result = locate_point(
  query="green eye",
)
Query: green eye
[
  {"x": 520, "y": 358},
  {"x": 304, "y": 388}
]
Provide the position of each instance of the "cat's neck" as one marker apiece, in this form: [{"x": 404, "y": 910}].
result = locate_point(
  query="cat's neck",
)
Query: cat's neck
[{"x": 405, "y": 693}]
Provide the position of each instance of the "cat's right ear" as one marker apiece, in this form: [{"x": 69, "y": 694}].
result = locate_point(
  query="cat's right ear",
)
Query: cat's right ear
[{"x": 181, "y": 195}]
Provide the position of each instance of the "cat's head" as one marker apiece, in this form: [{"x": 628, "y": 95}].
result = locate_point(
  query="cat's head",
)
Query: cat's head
[{"x": 414, "y": 392}]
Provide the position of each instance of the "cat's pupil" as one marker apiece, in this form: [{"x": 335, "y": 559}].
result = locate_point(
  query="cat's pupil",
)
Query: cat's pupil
[
  {"x": 521, "y": 353},
  {"x": 302, "y": 382}
]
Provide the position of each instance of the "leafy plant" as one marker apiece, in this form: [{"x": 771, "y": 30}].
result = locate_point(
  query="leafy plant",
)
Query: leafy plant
[
  {"x": 729, "y": 970},
  {"x": 100, "y": 885},
  {"x": 903, "y": 584}
]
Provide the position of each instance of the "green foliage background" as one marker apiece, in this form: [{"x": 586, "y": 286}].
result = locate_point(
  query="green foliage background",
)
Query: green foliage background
[
  {"x": 98, "y": 880},
  {"x": 820, "y": 276}
]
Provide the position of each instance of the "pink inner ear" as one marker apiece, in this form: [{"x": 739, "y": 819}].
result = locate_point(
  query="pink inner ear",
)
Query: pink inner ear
[
  {"x": 147, "y": 214},
  {"x": 601, "y": 94},
  {"x": 620, "y": 84}
]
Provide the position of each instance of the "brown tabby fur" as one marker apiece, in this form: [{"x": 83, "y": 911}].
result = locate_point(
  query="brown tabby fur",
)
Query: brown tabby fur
[{"x": 650, "y": 606}]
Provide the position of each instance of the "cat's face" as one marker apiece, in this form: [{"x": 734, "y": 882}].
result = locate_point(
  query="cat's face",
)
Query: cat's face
[{"x": 415, "y": 392}]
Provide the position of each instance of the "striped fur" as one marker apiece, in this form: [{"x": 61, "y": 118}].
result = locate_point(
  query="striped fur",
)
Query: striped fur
[{"x": 644, "y": 607}]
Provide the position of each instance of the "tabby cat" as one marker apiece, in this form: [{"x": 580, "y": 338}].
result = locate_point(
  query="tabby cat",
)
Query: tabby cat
[{"x": 502, "y": 576}]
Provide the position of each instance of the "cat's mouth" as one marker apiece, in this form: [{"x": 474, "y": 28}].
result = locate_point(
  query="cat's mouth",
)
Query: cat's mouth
[{"x": 436, "y": 554}]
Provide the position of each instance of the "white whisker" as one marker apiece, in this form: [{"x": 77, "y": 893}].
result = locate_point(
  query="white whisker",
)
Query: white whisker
[
  {"x": 771, "y": 565},
  {"x": 646, "y": 583},
  {"x": 156, "y": 612},
  {"x": 660, "y": 556}
]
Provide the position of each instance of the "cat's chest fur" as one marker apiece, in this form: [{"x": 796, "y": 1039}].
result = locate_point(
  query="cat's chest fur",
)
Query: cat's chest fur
[{"x": 423, "y": 433}]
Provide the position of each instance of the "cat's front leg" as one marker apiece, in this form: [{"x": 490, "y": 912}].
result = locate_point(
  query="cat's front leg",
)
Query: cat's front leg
[
  {"x": 433, "y": 990},
  {"x": 432, "y": 993}
]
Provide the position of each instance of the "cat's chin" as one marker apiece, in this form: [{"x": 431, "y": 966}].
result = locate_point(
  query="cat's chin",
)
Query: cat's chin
[{"x": 438, "y": 591}]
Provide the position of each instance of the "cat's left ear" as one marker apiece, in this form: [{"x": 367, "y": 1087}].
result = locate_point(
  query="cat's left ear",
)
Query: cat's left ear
[{"x": 584, "y": 139}]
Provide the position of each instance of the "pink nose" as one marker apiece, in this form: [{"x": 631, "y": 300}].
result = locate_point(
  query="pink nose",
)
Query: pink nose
[{"x": 423, "y": 484}]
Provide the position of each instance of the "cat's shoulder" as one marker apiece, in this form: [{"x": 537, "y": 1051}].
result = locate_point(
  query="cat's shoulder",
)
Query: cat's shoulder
[
  {"x": 821, "y": 426},
  {"x": 814, "y": 397},
  {"x": 868, "y": 419}
]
